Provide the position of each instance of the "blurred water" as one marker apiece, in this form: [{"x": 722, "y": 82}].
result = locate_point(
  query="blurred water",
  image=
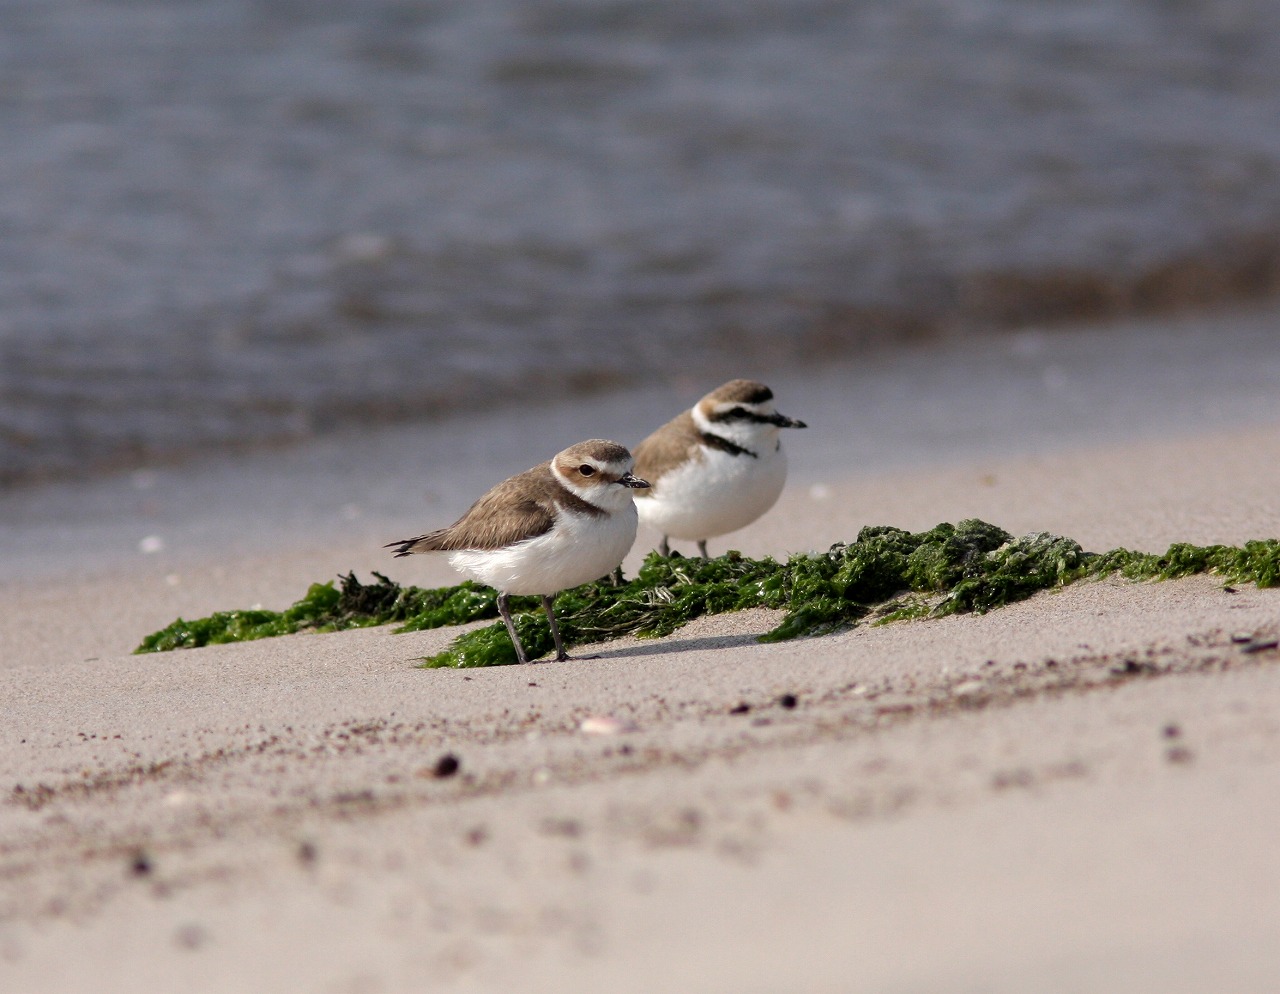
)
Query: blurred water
[{"x": 227, "y": 221}]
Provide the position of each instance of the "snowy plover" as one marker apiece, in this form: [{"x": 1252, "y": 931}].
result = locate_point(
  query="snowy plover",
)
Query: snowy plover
[
  {"x": 549, "y": 528},
  {"x": 716, "y": 467}
]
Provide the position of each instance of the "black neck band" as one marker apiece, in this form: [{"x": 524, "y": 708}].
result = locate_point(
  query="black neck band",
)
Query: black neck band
[{"x": 724, "y": 445}]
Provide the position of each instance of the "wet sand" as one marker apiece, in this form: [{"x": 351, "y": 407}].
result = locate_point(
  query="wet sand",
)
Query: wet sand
[{"x": 1072, "y": 793}]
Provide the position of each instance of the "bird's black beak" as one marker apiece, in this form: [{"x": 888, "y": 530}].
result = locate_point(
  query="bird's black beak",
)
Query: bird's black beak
[
  {"x": 634, "y": 482},
  {"x": 782, "y": 421}
]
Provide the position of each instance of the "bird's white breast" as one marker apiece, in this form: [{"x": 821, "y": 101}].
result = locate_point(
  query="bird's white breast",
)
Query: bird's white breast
[
  {"x": 717, "y": 494},
  {"x": 577, "y": 549}
]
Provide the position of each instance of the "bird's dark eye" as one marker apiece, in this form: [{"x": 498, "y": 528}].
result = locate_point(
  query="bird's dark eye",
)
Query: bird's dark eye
[
  {"x": 586, "y": 470},
  {"x": 738, "y": 413}
]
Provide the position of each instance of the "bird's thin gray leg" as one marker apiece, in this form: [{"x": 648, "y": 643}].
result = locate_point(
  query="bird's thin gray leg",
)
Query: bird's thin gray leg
[
  {"x": 555, "y": 630},
  {"x": 504, "y": 609},
  {"x": 702, "y": 548},
  {"x": 664, "y": 550}
]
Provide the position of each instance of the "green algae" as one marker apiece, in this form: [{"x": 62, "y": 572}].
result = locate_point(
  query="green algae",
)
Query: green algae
[
  {"x": 886, "y": 574},
  {"x": 1254, "y": 562},
  {"x": 326, "y": 608}
]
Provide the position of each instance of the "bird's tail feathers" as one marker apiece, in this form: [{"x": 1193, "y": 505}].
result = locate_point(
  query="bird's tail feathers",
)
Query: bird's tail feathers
[{"x": 408, "y": 546}]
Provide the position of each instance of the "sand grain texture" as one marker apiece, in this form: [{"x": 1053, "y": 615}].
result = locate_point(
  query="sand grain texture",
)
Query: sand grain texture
[{"x": 1073, "y": 793}]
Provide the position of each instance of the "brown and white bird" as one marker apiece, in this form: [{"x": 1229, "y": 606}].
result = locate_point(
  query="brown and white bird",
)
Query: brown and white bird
[
  {"x": 564, "y": 522},
  {"x": 716, "y": 467}
]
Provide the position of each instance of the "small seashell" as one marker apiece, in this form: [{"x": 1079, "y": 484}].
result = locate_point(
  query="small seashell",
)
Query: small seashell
[{"x": 606, "y": 725}]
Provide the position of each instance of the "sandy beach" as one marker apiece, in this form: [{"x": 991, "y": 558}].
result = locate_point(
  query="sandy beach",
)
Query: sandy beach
[{"x": 1073, "y": 793}]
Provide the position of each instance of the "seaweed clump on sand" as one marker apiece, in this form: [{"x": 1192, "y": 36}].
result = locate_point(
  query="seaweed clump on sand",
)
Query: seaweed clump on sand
[
  {"x": 886, "y": 574},
  {"x": 330, "y": 608}
]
